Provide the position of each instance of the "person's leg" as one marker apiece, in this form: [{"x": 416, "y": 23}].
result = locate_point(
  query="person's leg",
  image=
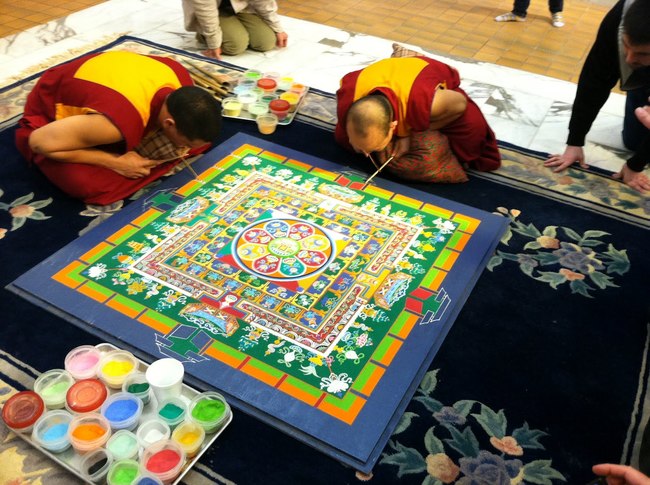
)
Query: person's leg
[
  {"x": 556, "y": 6},
  {"x": 472, "y": 140},
  {"x": 95, "y": 185},
  {"x": 518, "y": 13},
  {"x": 520, "y": 8},
  {"x": 235, "y": 36},
  {"x": 429, "y": 159},
  {"x": 633, "y": 131},
  {"x": 261, "y": 36}
]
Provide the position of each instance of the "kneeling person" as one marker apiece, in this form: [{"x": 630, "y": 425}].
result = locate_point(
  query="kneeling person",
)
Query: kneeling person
[
  {"x": 414, "y": 110},
  {"x": 105, "y": 125}
]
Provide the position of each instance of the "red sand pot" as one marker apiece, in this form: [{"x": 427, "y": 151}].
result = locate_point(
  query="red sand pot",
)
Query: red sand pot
[
  {"x": 280, "y": 108},
  {"x": 86, "y": 396},
  {"x": 22, "y": 410}
]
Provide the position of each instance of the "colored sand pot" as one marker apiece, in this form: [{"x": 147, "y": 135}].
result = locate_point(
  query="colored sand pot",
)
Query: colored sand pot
[
  {"x": 267, "y": 123},
  {"x": 165, "y": 376},
  {"x": 81, "y": 362},
  {"x": 22, "y": 410},
  {"x": 164, "y": 459},
  {"x": 172, "y": 411},
  {"x": 267, "y": 98},
  {"x": 87, "y": 432},
  {"x": 123, "y": 445},
  {"x": 94, "y": 466},
  {"x": 285, "y": 83},
  {"x": 137, "y": 385},
  {"x": 51, "y": 431},
  {"x": 280, "y": 108},
  {"x": 257, "y": 109},
  {"x": 246, "y": 99},
  {"x": 146, "y": 478},
  {"x": 152, "y": 431},
  {"x": 293, "y": 99},
  {"x": 298, "y": 88},
  {"x": 209, "y": 410},
  {"x": 122, "y": 410},
  {"x": 115, "y": 366},
  {"x": 252, "y": 75},
  {"x": 86, "y": 396},
  {"x": 52, "y": 386},
  {"x": 231, "y": 107},
  {"x": 268, "y": 85},
  {"x": 123, "y": 472},
  {"x": 190, "y": 436}
]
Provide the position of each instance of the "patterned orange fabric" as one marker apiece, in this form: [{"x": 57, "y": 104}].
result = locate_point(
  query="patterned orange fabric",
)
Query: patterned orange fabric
[{"x": 429, "y": 159}]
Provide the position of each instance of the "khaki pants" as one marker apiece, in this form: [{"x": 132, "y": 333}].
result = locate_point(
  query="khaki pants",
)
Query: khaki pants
[{"x": 244, "y": 30}]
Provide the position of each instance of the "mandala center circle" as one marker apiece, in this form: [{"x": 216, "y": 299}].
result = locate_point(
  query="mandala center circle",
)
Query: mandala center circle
[{"x": 283, "y": 247}]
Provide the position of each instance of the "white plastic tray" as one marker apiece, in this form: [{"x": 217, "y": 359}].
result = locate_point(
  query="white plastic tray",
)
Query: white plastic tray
[
  {"x": 71, "y": 460},
  {"x": 245, "y": 115}
]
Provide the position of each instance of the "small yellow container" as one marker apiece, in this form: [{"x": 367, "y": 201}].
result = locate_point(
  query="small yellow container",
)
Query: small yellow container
[
  {"x": 190, "y": 436},
  {"x": 293, "y": 99},
  {"x": 231, "y": 106}
]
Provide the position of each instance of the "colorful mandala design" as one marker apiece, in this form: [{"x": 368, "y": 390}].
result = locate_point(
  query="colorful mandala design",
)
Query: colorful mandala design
[{"x": 283, "y": 249}]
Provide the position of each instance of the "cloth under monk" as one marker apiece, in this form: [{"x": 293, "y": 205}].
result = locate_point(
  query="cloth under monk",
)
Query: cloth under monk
[
  {"x": 410, "y": 84},
  {"x": 130, "y": 90}
]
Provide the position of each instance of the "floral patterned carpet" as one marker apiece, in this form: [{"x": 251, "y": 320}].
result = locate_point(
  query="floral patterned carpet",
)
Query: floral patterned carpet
[{"x": 541, "y": 376}]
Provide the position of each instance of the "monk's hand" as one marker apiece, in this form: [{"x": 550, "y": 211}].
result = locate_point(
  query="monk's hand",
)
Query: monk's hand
[
  {"x": 213, "y": 53},
  {"x": 133, "y": 166},
  {"x": 281, "y": 39},
  {"x": 571, "y": 155},
  {"x": 637, "y": 180}
]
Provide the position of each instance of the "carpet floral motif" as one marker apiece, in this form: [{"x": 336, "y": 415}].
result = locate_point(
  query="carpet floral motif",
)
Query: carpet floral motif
[
  {"x": 559, "y": 255},
  {"x": 471, "y": 445},
  {"x": 21, "y": 209}
]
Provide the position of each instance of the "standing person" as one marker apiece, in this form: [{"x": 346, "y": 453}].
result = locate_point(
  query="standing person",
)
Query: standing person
[
  {"x": 231, "y": 26},
  {"x": 398, "y": 107},
  {"x": 520, "y": 9},
  {"x": 104, "y": 125},
  {"x": 621, "y": 52}
]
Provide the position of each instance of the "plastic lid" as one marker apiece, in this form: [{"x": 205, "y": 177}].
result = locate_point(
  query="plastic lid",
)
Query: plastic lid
[
  {"x": 266, "y": 83},
  {"x": 279, "y": 105},
  {"x": 86, "y": 395},
  {"x": 23, "y": 409}
]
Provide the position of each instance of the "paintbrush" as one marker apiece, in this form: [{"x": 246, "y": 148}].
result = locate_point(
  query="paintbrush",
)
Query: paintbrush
[
  {"x": 222, "y": 80},
  {"x": 390, "y": 159}
]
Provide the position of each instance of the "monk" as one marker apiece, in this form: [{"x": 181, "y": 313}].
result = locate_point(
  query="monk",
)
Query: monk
[
  {"x": 398, "y": 108},
  {"x": 105, "y": 125}
]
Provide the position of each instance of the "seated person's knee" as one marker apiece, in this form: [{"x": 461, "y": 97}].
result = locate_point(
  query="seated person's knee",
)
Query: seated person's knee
[{"x": 235, "y": 45}]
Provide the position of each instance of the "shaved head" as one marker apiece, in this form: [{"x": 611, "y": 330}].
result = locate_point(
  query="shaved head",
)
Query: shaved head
[
  {"x": 370, "y": 112},
  {"x": 369, "y": 123}
]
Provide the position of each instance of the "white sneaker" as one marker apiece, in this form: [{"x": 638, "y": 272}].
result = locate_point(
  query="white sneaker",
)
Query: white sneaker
[
  {"x": 509, "y": 17},
  {"x": 557, "y": 20}
]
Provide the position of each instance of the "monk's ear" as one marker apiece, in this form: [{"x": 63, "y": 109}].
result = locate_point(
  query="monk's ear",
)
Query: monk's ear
[{"x": 168, "y": 122}]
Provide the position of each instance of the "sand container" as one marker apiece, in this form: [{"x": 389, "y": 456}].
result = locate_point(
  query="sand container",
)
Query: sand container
[
  {"x": 172, "y": 411},
  {"x": 123, "y": 472},
  {"x": 81, "y": 362},
  {"x": 210, "y": 410},
  {"x": 94, "y": 466},
  {"x": 164, "y": 459},
  {"x": 122, "y": 410},
  {"x": 86, "y": 396},
  {"x": 115, "y": 366},
  {"x": 137, "y": 385},
  {"x": 151, "y": 431},
  {"x": 22, "y": 410},
  {"x": 52, "y": 386},
  {"x": 190, "y": 435},
  {"x": 51, "y": 431},
  {"x": 87, "y": 432}
]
